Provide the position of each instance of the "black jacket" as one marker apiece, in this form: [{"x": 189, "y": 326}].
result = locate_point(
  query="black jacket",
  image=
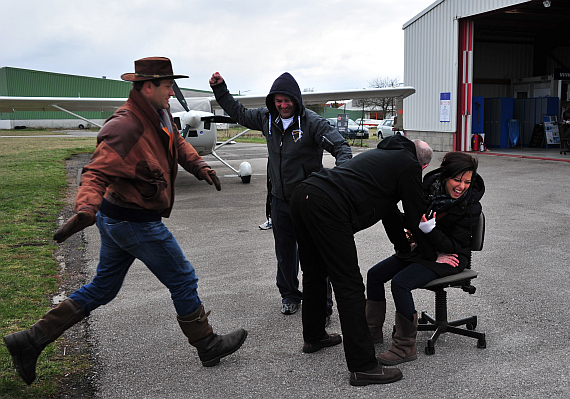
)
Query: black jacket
[
  {"x": 454, "y": 224},
  {"x": 296, "y": 152},
  {"x": 372, "y": 183}
]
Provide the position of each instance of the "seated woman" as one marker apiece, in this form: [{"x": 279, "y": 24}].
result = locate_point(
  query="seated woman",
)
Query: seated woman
[{"x": 453, "y": 192}]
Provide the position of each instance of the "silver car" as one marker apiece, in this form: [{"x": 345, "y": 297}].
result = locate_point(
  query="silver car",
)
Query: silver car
[{"x": 385, "y": 128}]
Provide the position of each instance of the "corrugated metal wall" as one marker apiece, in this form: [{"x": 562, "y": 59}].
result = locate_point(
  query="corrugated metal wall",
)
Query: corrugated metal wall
[
  {"x": 26, "y": 82},
  {"x": 30, "y": 83},
  {"x": 431, "y": 60}
]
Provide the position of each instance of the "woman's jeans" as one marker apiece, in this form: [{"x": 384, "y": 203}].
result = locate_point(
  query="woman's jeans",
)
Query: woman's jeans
[
  {"x": 121, "y": 243},
  {"x": 405, "y": 278}
]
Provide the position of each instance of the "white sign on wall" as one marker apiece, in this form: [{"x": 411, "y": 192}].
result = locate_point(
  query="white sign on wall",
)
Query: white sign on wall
[{"x": 445, "y": 107}]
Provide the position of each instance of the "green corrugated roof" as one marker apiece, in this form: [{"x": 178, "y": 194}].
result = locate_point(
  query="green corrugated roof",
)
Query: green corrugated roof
[{"x": 30, "y": 83}]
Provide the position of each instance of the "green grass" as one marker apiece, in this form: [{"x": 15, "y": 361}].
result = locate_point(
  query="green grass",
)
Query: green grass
[
  {"x": 31, "y": 198},
  {"x": 30, "y": 132}
]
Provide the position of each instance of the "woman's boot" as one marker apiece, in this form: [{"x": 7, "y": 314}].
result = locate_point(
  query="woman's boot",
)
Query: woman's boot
[
  {"x": 26, "y": 346},
  {"x": 403, "y": 348},
  {"x": 211, "y": 347},
  {"x": 375, "y": 315}
]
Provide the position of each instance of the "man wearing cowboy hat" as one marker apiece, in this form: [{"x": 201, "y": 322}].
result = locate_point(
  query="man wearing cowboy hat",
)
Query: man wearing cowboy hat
[{"x": 127, "y": 188}]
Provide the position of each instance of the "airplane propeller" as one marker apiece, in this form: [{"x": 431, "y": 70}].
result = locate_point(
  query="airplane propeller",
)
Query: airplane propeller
[
  {"x": 196, "y": 120},
  {"x": 180, "y": 96}
]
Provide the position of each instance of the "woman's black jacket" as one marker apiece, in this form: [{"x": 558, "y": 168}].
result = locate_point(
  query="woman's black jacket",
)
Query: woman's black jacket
[{"x": 455, "y": 222}]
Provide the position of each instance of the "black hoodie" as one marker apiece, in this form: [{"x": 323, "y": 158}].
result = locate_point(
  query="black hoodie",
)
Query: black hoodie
[
  {"x": 296, "y": 152},
  {"x": 455, "y": 222}
]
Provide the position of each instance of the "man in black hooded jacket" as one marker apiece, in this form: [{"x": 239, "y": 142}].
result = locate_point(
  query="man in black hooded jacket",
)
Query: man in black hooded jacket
[
  {"x": 327, "y": 209},
  {"x": 296, "y": 137}
]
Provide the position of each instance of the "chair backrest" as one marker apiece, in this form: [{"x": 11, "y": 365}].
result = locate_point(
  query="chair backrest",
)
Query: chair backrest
[{"x": 478, "y": 234}]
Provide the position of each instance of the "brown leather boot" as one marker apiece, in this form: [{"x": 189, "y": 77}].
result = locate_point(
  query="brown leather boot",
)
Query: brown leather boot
[
  {"x": 211, "y": 347},
  {"x": 26, "y": 346},
  {"x": 403, "y": 347},
  {"x": 375, "y": 315}
]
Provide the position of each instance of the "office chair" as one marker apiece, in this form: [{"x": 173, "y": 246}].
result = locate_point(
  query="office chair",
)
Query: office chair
[{"x": 440, "y": 324}]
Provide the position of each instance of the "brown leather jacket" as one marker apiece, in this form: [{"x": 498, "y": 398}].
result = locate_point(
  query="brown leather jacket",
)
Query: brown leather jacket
[{"x": 132, "y": 164}]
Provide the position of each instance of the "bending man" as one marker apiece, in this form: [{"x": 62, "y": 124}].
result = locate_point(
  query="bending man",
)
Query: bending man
[{"x": 327, "y": 209}]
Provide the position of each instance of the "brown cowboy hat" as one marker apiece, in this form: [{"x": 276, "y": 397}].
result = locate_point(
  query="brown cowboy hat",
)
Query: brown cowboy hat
[{"x": 151, "y": 68}]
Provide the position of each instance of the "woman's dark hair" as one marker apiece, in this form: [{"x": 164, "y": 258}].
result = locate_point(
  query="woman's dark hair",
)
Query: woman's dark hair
[{"x": 457, "y": 163}]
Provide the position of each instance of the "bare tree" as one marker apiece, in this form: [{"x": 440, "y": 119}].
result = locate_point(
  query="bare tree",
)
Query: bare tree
[{"x": 386, "y": 105}]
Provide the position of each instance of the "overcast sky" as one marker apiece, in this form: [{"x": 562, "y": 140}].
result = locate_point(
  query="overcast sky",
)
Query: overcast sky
[{"x": 325, "y": 45}]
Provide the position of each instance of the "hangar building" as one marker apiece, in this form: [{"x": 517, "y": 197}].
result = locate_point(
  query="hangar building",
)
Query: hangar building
[
  {"x": 492, "y": 68},
  {"x": 18, "y": 82}
]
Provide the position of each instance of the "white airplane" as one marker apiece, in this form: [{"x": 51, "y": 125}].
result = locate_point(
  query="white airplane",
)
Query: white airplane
[{"x": 194, "y": 116}]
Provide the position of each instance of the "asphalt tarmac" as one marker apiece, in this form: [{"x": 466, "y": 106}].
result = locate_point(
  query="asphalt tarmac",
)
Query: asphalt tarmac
[{"x": 521, "y": 300}]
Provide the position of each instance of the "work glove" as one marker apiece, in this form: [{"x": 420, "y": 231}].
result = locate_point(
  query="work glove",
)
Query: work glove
[
  {"x": 76, "y": 223},
  {"x": 208, "y": 174},
  {"x": 427, "y": 226}
]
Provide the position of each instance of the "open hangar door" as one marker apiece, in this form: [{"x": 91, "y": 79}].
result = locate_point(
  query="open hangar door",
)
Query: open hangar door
[{"x": 521, "y": 69}]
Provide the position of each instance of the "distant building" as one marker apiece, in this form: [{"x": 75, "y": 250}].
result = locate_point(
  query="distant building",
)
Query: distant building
[
  {"x": 354, "y": 110},
  {"x": 17, "y": 82}
]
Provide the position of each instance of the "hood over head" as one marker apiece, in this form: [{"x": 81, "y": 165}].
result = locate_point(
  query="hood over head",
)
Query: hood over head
[
  {"x": 287, "y": 85},
  {"x": 398, "y": 142}
]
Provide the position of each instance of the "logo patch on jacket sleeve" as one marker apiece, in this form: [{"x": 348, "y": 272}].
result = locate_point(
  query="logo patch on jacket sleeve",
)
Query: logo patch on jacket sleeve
[{"x": 297, "y": 134}]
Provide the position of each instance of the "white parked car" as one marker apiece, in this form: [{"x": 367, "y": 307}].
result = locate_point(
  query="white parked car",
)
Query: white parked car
[
  {"x": 369, "y": 122},
  {"x": 385, "y": 128}
]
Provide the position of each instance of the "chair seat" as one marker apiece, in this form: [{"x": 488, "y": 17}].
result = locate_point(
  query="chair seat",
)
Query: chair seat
[{"x": 452, "y": 280}]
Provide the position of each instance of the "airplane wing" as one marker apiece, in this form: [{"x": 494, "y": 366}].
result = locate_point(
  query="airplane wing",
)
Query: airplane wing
[
  {"x": 78, "y": 104},
  {"x": 325, "y": 96},
  {"x": 75, "y": 104},
  {"x": 71, "y": 105}
]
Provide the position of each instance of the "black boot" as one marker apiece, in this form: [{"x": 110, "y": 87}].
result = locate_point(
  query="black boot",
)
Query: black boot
[
  {"x": 26, "y": 346},
  {"x": 375, "y": 315},
  {"x": 211, "y": 347},
  {"x": 376, "y": 375}
]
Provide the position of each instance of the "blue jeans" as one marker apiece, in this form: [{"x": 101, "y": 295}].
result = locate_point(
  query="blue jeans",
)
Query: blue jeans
[
  {"x": 405, "y": 278},
  {"x": 121, "y": 243}
]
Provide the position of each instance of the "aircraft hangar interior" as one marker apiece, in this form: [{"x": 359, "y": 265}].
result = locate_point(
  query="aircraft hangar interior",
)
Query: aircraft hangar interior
[{"x": 502, "y": 67}]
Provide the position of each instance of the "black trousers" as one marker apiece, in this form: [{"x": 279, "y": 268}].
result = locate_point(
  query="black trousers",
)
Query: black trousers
[
  {"x": 286, "y": 252},
  {"x": 327, "y": 248}
]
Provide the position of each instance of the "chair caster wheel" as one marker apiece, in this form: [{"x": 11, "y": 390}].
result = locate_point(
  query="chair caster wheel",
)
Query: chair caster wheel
[
  {"x": 482, "y": 343},
  {"x": 430, "y": 349}
]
